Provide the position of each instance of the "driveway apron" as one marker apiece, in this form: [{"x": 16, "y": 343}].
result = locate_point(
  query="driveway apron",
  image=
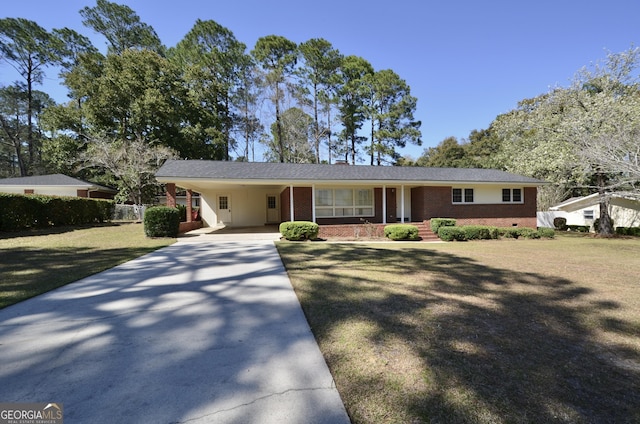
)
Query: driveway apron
[{"x": 204, "y": 331}]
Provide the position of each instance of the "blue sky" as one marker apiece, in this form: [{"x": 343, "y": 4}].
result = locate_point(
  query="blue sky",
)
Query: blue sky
[{"x": 466, "y": 61}]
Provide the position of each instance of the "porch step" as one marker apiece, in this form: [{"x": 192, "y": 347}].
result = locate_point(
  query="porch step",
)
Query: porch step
[{"x": 425, "y": 232}]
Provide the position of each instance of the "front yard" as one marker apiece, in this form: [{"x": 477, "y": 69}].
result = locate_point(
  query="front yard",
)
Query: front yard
[
  {"x": 510, "y": 331},
  {"x": 35, "y": 262}
]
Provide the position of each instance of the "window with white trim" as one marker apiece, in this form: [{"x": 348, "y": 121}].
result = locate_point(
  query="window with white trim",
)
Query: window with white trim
[
  {"x": 512, "y": 195},
  {"x": 588, "y": 214},
  {"x": 462, "y": 195},
  {"x": 344, "y": 202}
]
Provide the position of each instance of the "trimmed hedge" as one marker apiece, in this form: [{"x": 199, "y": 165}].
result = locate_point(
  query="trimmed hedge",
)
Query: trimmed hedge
[
  {"x": 20, "y": 212},
  {"x": 480, "y": 232},
  {"x": 401, "y": 232},
  {"x": 299, "y": 230},
  {"x": 546, "y": 232},
  {"x": 162, "y": 221},
  {"x": 484, "y": 232},
  {"x": 436, "y": 223},
  {"x": 451, "y": 234},
  {"x": 628, "y": 231},
  {"x": 578, "y": 228}
]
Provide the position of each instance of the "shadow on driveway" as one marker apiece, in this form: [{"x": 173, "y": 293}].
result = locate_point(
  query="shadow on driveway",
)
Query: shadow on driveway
[{"x": 195, "y": 332}]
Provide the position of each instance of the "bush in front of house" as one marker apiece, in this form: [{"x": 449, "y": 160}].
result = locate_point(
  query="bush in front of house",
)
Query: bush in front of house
[
  {"x": 162, "y": 221},
  {"x": 485, "y": 232},
  {"x": 480, "y": 232},
  {"x": 436, "y": 223},
  {"x": 578, "y": 228},
  {"x": 401, "y": 232},
  {"x": 546, "y": 232},
  {"x": 560, "y": 223},
  {"x": 451, "y": 234},
  {"x": 20, "y": 212},
  {"x": 299, "y": 230},
  {"x": 628, "y": 231}
]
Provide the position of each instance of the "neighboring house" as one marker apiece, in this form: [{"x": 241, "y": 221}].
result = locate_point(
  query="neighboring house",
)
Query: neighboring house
[
  {"x": 624, "y": 211},
  {"x": 56, "y": 185},
  {"x": 253, "y": 193}
]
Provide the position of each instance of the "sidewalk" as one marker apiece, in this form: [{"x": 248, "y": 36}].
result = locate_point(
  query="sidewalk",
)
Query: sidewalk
[{"x": 203, "y": 331}]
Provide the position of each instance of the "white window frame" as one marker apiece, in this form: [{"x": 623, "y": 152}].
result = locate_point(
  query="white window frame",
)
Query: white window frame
[
  {"x": 511, "y": 195},
  {"x": 333, "y": 210},
  {"x": 463, "y": 195}
]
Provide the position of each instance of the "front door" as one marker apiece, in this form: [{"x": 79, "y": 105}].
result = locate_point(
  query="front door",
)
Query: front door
[
  {"x": 273, "y": 211},
  {"x": 224, "y": 209}
]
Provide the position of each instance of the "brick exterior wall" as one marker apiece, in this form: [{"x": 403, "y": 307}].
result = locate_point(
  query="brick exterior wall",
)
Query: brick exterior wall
[
  {"x": 301, "y": 201},
  {"x": 435, "y": 202},
  {"x": 171, "y": 195},
  {"x": 426, "y": 203},
  {"x": 362, "y": 230}
]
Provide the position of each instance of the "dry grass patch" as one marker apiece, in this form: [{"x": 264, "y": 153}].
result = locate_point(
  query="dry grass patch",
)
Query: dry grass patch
[
  {"x": 507, "y": 331},
  {"x": 36, "y": 262}
]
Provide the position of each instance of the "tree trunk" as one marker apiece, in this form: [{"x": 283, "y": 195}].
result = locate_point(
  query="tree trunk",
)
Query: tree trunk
[
  {"x": 373, "y": 139},
  {"x": 279, "y": 126},
  {"x": 30, "y": 141},
  {"x": 604, "y": 228}
]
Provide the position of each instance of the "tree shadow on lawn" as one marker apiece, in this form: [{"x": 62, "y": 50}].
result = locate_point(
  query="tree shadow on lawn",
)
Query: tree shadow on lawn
[
  {"x": 28, "y": 272},
  {"x": 493, "y": 345},
  {"x": 32, "y": 232}
]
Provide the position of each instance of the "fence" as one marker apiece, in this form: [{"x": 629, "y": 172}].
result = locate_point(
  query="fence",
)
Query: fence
[{"x": 129, "y": 212}]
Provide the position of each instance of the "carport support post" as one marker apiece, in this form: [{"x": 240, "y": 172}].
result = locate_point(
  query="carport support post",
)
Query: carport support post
[
  {"x": 171, "y": 195},
  {"x": 402, "y": 203},
  {"x": 291, "y": 203},
  {"x": 313, "y": 203},
  {"x": 384, "y": 204},
  {"x": 189, "y": 206}
]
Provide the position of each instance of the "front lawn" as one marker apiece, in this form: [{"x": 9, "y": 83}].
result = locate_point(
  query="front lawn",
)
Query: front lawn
[
  {"x": 510, "y": 331},
  {"x": 35, "y": 262}
]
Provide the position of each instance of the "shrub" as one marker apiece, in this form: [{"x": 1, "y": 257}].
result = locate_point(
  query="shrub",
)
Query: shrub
[
  {"x": 560, "y": 223},
  {"x": 509, "y": 232},
  {"x": 578, "y": 228},
  {"x": 628, "y": 231},
  {"x": 451, "y": 233},
  {"x": 401, "y": 232},
  {"x": 436, "y": 223},
  {"x": 546, "y": 232},
  {"x": 183, "y": 212},
  {"x": 162, "y": 221},
  {"x": 19, "y": 212},
  {"x": 529, "y": 233},
  {"x": 479, "y": 232},
  {"x": 299, "y": 230}
]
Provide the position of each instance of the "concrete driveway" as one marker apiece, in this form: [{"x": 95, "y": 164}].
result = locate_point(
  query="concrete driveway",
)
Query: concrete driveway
[{"x": 204, "y": 331}]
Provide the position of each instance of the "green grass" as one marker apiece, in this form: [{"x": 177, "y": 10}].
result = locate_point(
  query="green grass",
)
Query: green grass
[
  {"x": 35, "y": 262},
  {"x": 510, "y": 331}
]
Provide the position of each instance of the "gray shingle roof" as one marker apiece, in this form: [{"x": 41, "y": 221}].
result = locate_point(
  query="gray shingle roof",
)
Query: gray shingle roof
[
  {"x": 260, "y": 171},
  {"x": 51, "y": 180}
]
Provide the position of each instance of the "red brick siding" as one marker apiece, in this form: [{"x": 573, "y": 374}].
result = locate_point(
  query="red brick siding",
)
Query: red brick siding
[
  {"x": 171, "y": 195},
  {"x": 301, "y": 202},
  {"x": 362, "y": 230},
  {"x": 435, "y": 202},
  {"x": 285, "y": 206}
]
